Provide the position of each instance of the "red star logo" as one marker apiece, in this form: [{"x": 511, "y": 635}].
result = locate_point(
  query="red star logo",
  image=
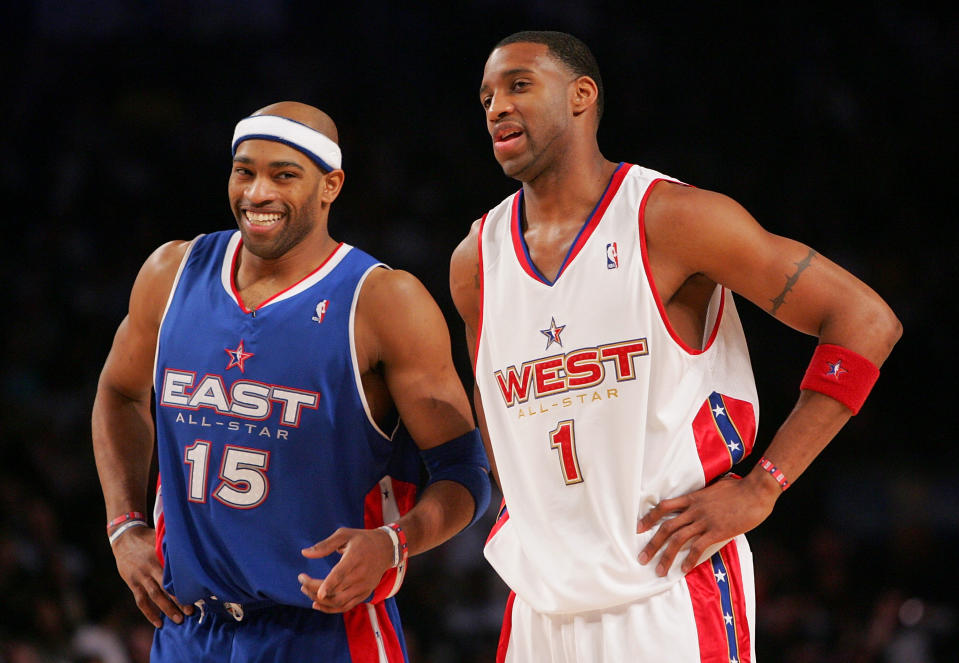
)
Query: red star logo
[
  {"x": 552, "y": 333},
  {"x": 835, "y": 370},
  {"x": 237, "y": 357}
]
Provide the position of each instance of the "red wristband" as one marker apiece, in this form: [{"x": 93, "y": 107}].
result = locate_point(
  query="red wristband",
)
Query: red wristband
[
  {"x": 842, "y": 374},
  {"x": 767, "y": 465},
  {"x": 129, "y": 515}
]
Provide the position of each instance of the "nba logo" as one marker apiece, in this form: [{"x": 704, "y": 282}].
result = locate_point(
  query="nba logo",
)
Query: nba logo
[
  {"x": 321, "y": 311},
  {"x": 612, "y": 256}
]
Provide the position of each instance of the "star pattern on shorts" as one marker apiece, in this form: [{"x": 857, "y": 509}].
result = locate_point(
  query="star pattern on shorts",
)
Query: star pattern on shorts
[
  {"x": 238, "y": 357},
  {"x": 720, "y": 576},
  {"x": 835, "y": 369},
  {"x": 552, "y": 333},
  {"x": 719, "y": 411},
  {"x": 728, "y": 618}
]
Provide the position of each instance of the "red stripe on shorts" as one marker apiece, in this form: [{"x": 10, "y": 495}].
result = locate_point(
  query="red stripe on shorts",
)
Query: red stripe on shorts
[
  {"x": 361, "y": 636},
  {"x": 710, "y": 626},
  {"x": 506, "y": 630}
]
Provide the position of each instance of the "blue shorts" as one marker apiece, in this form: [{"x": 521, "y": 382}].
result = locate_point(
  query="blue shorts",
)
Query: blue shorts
[{"x": 366, "y": 634}]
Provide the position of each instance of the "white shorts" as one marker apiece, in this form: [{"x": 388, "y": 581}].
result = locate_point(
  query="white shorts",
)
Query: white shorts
[{"x": 708, "y": 616}]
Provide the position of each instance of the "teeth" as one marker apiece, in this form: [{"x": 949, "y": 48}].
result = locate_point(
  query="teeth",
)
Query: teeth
[{"x": 257, "y": 217}]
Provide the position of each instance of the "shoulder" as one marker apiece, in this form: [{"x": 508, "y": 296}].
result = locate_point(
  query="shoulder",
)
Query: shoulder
[
  {"x": 155, "y": 281},
  {"x": 389, "y": 292},
  {"x": 465, "y": 274},
  {"x": 685, "y": 221},
  {"x": 466, "y": 254}
]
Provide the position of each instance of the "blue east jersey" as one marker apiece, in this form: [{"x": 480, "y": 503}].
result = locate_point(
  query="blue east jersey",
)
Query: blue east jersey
[{"x": 265, "y": 440}]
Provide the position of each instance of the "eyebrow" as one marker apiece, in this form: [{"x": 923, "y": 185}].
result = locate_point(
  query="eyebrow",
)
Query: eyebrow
[
  {"x": 273, "y": 164},
  {"x": 510, "y": 72}
]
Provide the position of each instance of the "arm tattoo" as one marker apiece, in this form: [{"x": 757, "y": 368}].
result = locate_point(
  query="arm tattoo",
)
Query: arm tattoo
[
  {"x": 476, "y": 277},
  {"x": 791, "y": 281}
]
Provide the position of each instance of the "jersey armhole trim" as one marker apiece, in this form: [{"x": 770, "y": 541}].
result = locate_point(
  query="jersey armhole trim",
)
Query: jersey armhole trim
[
  {"x": 169, "y": 300},
  {"x": 652, "y": 283},
  {"x": 357, "y": 378},
  {"x": 482, "y": 281}
]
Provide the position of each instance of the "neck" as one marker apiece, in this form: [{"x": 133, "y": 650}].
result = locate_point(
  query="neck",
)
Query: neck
[
  {"x": 568, "y": 191},
  {"x": 280, "y": 273}
]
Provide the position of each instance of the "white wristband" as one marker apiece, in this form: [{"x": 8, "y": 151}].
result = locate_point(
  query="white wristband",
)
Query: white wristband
[
  {"x": 396, "y": 544},
  {"x": 124, "y": 527}
]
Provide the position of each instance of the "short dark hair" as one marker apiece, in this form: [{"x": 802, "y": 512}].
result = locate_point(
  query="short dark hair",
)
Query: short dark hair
[{"x": 567, "y": 49}]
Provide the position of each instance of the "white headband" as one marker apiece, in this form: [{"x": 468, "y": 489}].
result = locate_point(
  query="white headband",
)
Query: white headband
[{"x": 320, "y": 149}]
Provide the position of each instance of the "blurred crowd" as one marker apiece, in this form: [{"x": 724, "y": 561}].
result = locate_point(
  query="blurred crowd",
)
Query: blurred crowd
[{"x": 831, "y": 131}]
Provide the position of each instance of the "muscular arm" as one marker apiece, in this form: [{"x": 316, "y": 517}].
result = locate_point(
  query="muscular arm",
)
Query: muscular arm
[
  {"x": 409, "y": 338},
  {"x": 695, "y": 232},
  {"x": 465, "y": 290},
  {"x": 400, "y": 329},
  {"x": 123, "y": 428}
]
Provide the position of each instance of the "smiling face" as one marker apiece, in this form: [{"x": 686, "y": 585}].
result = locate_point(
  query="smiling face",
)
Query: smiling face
[
  {"x": 526, "y": 94},
  {"x": 276, "y": 194}
]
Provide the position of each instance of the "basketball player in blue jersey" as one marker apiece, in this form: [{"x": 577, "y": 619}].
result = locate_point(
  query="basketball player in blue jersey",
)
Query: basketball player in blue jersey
[
  {"x": 613, "y": 384},
  {"x": 282, "y": 362}
]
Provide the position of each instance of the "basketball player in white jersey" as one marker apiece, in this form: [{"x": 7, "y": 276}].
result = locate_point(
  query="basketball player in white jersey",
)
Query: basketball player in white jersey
[{"x": 613, "y": 384}]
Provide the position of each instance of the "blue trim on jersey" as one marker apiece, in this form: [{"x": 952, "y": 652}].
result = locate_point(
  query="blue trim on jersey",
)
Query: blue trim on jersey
[
  {"x": 726, "y": 428},
  {"x": 522, "y": 238},
  {"x": 721, "y": 575}
]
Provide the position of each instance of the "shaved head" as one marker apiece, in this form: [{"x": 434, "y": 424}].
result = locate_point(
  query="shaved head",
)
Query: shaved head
[{"x": 311, "y": 116}]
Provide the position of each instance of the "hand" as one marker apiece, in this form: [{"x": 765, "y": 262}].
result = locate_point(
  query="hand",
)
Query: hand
[
  {"x": 141, "y": 571},
  {"x": 366, "y": 555},
  {"x": 716, "y": 513}
]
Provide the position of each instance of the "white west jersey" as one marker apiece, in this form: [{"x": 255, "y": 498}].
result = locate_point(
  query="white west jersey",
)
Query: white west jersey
[{"x": 596, "y": 409}]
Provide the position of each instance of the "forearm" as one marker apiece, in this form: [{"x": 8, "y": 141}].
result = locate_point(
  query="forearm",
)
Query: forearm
[
  {"x": 444, "y": 509},
  {"x": 869, "y": 329},
  {"x": 813, "y": 423},
  {"x": 123, "y": 449}
]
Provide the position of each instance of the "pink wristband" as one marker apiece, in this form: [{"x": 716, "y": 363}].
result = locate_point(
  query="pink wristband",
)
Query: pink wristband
[
  {"x": 773, "y": 470},
  {"x": 842, "y": 374},
  {"x": 129, "y": 515}
]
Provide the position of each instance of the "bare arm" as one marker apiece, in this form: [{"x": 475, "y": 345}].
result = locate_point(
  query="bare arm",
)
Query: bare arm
[
  {"x": 123, "y": 429},
  {"x": 691, "y": 231},
  {"x": 400, "y": 328},
  {"x": 465, "y": 287}
]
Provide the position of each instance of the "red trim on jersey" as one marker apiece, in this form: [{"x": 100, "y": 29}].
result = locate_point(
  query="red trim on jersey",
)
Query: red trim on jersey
[
  {"x": 506, "y": 630},
  {"x": 501, "y": 520},
  {"x": 160, "y": 524},
  {"x": 652, "y": 283},
  {"x": 514, "y": 225},
  {"x": 361, "y": 636},
  {"x": 614, "y": 183},
  {"x": 521, "y": 250},
  {"x": 373, "y": 508},
  {"x": 236, "y": 293},
  {"x": 482, "y": 281},
  {"x": 708, "y": 613},
  {"x": 711, "y": 444}
]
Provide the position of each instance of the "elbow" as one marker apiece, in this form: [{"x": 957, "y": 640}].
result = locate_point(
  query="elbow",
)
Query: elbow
[{"x": 885, "y": 329}]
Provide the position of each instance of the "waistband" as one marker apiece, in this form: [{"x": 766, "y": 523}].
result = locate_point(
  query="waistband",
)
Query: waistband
[{"x": 237, "y": 611}]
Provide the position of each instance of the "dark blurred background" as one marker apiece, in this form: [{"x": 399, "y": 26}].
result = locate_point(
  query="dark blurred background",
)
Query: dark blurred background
[{"x": 834, "y": 126}]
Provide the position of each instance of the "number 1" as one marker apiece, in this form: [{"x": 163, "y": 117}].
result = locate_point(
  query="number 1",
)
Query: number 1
[{"x": 563, "y": 439}]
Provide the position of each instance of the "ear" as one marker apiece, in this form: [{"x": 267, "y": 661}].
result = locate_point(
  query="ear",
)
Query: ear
[
  {"x": 331, "y": 185},
  {"x": 584, "y": 94}
]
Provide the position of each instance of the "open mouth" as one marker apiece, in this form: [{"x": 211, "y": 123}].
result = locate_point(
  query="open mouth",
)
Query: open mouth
[
  {"x": 507, "y": 134},
  {"x": 262, "y": 220}
]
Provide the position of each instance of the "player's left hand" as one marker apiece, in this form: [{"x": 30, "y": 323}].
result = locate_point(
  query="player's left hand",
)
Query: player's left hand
[
  {"x": 716, "y": 513},
  {"x": 366, "y": 555}
]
